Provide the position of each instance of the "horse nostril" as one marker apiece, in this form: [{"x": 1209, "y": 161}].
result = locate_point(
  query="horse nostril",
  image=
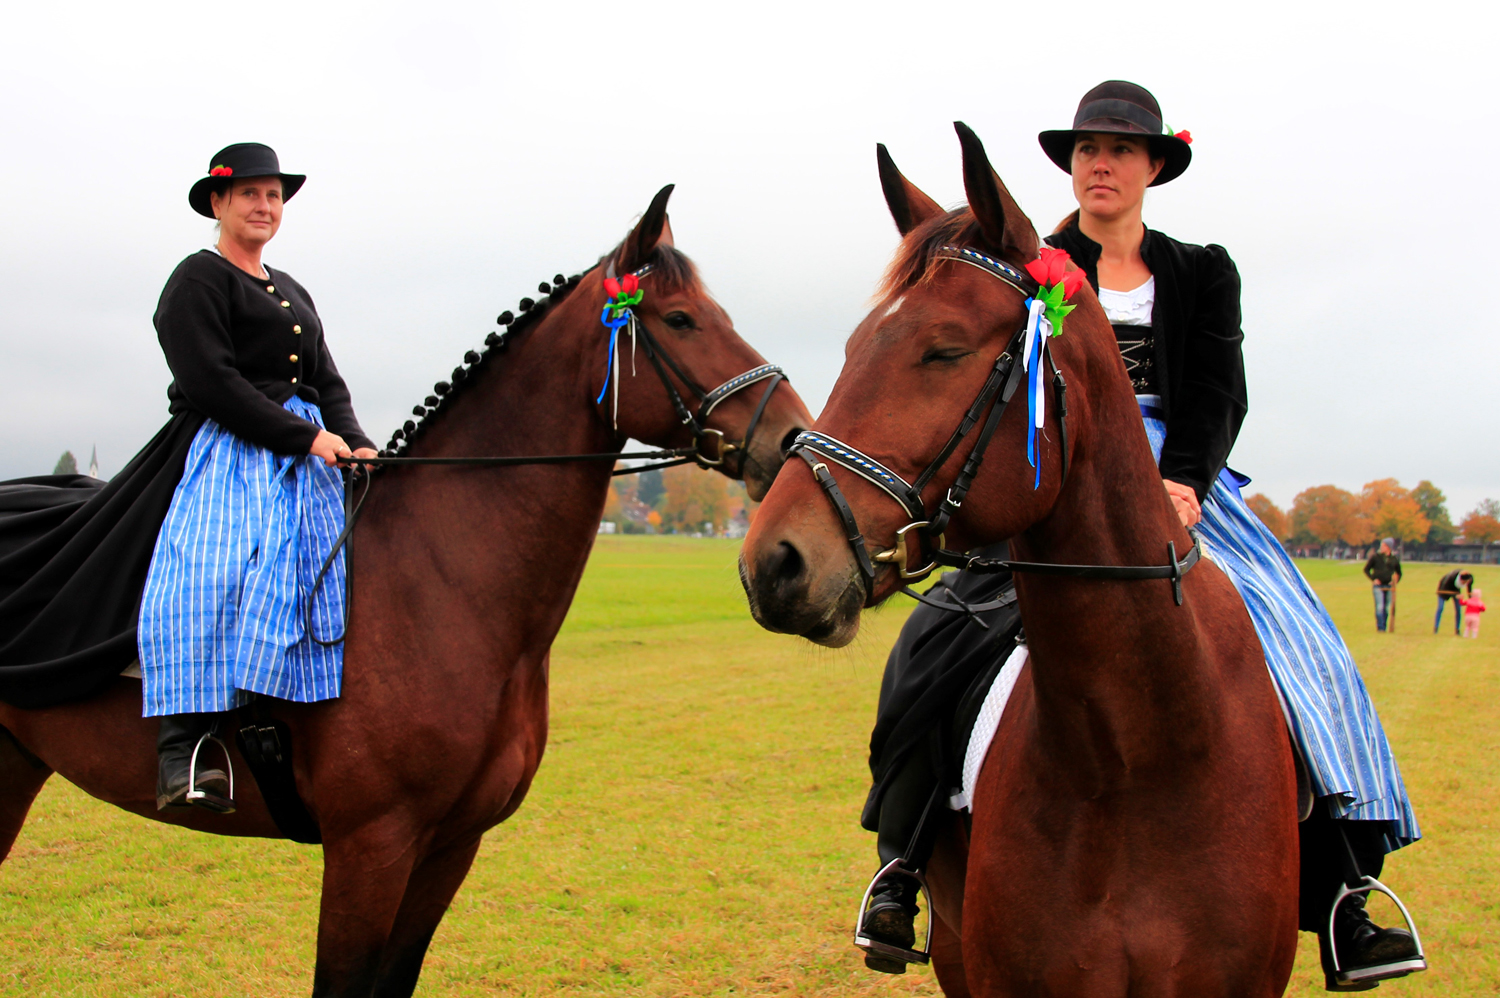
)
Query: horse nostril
[
  {"x": 787, "y": 564},
  {"x": 788, "y": 440}
]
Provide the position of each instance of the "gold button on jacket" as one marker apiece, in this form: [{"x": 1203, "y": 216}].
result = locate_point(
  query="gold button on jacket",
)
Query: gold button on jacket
[
  {"x": 286, "y": 304},
  {"x": 293, "y": 358}
]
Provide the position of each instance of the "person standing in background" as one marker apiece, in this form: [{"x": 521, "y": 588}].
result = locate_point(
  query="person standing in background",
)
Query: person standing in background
[
  {"x": 1473, "y": 611},
  {"x": 1384, "y": 570},
  {"x": 1449, "y": 587}
]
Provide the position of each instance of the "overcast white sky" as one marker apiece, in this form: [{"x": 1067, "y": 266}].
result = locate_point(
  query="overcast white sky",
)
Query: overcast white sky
[{"x": 458, "y": 153}]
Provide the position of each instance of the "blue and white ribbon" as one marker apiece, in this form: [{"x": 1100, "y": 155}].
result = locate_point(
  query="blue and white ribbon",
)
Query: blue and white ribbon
[
  {"x": 1038, "y": 330},
  {"x": 612, "y": 357}
]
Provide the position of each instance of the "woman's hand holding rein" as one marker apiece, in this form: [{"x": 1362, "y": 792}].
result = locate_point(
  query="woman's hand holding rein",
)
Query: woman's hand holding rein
[
  {"x": 1184, "y": 501},
  {"x": 330, "y": 447}
]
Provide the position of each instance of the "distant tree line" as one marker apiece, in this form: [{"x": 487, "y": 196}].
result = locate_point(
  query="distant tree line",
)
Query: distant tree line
[
  {"x": 1326, "y": 516},
  {"x": 681, "y": 500}
]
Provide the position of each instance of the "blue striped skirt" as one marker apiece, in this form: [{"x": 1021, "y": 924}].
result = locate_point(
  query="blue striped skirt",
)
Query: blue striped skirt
[
  {"x": 224, "y": 609},
  {"x": 1332, "y": 719}
]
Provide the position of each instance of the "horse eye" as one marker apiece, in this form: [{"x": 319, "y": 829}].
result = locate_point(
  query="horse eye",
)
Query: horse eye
[
  {"x": 679, "y": 320},
  {"x": 939, "y": 356}
]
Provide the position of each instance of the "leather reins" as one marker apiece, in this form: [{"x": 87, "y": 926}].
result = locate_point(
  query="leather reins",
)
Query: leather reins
[
  {"x": 820, "y": 450},
  {"x": 661, "y": 360}
]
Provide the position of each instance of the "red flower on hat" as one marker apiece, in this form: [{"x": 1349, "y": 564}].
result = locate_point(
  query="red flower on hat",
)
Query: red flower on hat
[
  {"x": 221, "y": 171},
  {"x": 1184, "y": 135},
  {"x": 1052, "y": 269}
]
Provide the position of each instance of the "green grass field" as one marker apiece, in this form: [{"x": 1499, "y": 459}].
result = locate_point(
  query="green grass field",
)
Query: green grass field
[{"x": 694, "y": 827}]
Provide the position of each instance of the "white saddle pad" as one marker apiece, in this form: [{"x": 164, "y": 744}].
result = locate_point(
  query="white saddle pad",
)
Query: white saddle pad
[{"x": 986, "y": 725}]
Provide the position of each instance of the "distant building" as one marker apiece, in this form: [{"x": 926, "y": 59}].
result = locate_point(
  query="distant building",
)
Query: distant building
[{"x": 94, "y": 463}]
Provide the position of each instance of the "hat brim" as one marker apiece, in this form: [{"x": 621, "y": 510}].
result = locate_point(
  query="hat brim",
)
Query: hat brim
[
  {"x": 198, "y": 194},
  {"x": 1058, "y": 145}
]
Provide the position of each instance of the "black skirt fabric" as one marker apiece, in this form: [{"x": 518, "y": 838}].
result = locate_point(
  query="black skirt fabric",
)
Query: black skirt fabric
[
  {"x": 74, "y": 552},
  {"x": 938, "y": 657}
]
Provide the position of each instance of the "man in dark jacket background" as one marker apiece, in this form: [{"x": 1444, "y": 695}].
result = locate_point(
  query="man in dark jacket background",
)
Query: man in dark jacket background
[{"x": 1383, "y": 569}]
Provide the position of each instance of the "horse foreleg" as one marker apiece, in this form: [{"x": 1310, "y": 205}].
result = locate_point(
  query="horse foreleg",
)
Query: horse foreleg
[
  {"x": 428, "y": 895},
  {"x": 365, "y": 876},
  {"x": 946, "y": 871},
  {"x": 21, "y": 777}
]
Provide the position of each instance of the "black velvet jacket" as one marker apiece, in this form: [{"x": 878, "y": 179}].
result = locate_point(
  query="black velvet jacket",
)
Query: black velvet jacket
[
  {"x": 239, "y": 347},
  {"x": 1199, "y": 366}
]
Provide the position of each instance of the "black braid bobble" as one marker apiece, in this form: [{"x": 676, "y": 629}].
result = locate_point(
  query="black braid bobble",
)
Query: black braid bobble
[
  {"x": 559, "y": 281},
  {"x": 396, "y": 436},
  {"x": 459, "y": 374},
  {"x": 418, "y": 410},
  {"x": 505, "y": 318},
  {"x": 544, "y": 288},
  {"x": 492, "y": 339},
  {"x": 470, "y": 357},
  {"x": 442, "y": 388},
  {"x": 430, "y": 401},
  {"x": 525, "y": 304},
  {"x": 408, "y": 426}
]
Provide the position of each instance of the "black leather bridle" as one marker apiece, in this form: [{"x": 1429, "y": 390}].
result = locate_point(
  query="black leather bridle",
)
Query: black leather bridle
[{"x": 925, "y": 530}]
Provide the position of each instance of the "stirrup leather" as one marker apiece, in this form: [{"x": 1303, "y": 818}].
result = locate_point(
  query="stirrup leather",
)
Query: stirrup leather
[
  {"x": 202, "y": 798},
  {"x": 879, "y": 948},
  {"x": 1377, "y": 971}
]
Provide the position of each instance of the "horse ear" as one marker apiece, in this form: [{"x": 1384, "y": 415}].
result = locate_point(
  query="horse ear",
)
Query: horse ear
[
  {"x": 1006, "y": 231},
  {"x": 651, "y": 231},
  {"x": 909, "y": 206}
]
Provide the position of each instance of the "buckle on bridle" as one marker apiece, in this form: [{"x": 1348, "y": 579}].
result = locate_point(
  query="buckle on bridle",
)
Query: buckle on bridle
[
  {"x": 721, "y": 451},
  {"x": 899, "y": 555}
]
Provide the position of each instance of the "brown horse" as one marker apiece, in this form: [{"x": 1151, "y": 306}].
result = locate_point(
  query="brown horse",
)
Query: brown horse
[
  {"x": 1134, "y": 823},
  {"x": 460, "y": 578}
]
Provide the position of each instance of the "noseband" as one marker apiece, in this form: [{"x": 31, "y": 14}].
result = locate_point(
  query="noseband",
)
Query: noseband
[{"x": 926, "y": 531}]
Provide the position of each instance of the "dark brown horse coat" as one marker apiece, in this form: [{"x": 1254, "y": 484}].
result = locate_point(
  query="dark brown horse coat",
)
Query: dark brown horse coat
[
  {"x": 1134, "y": 824},
  {"x": 461, "y": 578}
]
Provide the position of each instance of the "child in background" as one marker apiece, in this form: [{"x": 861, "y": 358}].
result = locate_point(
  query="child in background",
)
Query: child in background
[{"x": 1473, "y": 608}]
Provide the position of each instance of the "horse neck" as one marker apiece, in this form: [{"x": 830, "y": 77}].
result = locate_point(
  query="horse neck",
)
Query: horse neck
[
  {"x": 490, "y": 529},
  {"x": 1116, "y": 666}
]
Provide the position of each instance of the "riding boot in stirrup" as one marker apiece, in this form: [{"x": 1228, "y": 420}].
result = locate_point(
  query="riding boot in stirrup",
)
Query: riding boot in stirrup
[
  {"x": 181, "y": 735},
  {"x": 1363, "y": 944},
  {"x": 891, "y": 919}
]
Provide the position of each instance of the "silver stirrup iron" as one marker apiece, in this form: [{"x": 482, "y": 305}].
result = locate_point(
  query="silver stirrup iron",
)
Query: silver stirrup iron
[
  {"x": 864, "y": 942},
  {"x": 1379, "y": 971},
  {"x": 203, "y": 798}
]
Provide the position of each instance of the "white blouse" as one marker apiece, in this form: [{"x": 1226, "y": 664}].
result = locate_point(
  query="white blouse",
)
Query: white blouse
[{"x": 1129, "y": 308}]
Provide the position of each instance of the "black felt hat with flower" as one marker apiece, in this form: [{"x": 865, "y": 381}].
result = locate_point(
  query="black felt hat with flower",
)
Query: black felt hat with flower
[
  {"x": 1116, "y": 107},
  {"x": 243, "y": 159}
]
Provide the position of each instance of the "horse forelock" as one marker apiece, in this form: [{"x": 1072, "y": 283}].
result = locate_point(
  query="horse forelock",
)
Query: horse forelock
[
  {"x": 672, "y": 270},
  {"x": 912, "y": 265}
]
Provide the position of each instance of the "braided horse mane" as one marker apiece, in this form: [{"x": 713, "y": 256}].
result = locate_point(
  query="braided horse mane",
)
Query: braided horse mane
[{"x": 670, "y": 266}]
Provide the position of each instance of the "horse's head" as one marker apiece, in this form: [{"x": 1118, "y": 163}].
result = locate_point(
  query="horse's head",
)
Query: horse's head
[
  {"x": 941, "y": 336},
  {"x": 680, "y": 375}
]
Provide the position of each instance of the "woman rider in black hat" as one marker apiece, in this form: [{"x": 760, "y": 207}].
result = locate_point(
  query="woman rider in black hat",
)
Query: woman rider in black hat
[
  {"x": 195, "y": 558},
  {"x": 1175, "y": 308},
  {"x": 259, "y": 503}
]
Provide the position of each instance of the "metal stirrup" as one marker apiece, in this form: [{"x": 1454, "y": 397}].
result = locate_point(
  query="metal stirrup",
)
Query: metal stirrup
[
  {"x": 212, "y": 802},
  {"x": 864, "y": 942}
]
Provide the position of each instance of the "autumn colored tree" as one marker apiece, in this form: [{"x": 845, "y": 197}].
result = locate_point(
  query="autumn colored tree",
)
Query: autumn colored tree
[
  {"x": 1326, "y": 514},
  {"x": 1434, "y": 506},
  {"x": 1270, "y": 514},
  {"x": 694, "y": 498},
  {"x": 1482, "y": 525},
  {"x": 1393, "y": 512}
]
